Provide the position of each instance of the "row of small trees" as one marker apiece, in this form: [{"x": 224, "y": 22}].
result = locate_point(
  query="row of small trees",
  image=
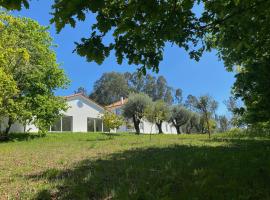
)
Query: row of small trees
[
  {"x": 151, "y": 98},
  {"x": 196, "y": 116}
]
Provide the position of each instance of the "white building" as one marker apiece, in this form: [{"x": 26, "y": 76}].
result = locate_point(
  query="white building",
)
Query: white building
[
  {"x": 145, "y": 126},
  {"x": 17, "y": 127},
  {"x": 83, "y": 115}
]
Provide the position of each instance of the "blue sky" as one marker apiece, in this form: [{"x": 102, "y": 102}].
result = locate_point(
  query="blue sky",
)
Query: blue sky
[{"x": 208, "y": 76}]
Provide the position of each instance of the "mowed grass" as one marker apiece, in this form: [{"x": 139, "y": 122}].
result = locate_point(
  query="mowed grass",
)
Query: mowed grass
[{"x": 126, "y": 166}]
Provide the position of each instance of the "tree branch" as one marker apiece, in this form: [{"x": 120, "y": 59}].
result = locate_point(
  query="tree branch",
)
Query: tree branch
[{"x": 220, "y": 21}]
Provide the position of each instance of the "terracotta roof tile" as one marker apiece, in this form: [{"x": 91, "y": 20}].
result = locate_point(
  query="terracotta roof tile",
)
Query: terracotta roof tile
[{"x": 117, "y": 104}]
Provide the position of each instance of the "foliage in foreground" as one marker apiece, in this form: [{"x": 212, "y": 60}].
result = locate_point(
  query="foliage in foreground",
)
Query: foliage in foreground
[
  {"x": 93, "y": 166},
  {"x": 27, "y": 58},
  {"x": 8, "y": 90}
]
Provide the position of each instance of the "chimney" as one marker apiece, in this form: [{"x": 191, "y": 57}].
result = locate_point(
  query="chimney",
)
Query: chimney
[{"x": 122, "y": 100}]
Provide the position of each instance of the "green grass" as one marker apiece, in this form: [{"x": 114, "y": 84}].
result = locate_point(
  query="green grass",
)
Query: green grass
[{"x": 95, "y": 166}]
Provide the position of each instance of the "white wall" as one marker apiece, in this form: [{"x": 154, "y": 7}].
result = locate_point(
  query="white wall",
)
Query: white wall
[
  {"x": 18, "y": 127},
  {"x": 80, "y": 109},
  {"x": 168, "y": 128},
  {"x": 15, "y": 128},
  {"x": 148, "y": 127}
]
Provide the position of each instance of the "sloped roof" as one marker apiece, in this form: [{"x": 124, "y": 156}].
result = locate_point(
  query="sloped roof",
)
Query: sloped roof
[
  {"x": 86, "y": 98},
  {"x": 117, "y": 104}
]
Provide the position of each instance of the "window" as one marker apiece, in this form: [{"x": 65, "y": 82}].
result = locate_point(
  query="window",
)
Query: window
[
  {"x": 56, "y": 126},
  {"x": 94, "y": 125},
  {"x": 90, "y": 124},
  {"x": 98, "y": 125},
  {"x": 63, "y": 124},
  {"x": 67, "y": 123}
]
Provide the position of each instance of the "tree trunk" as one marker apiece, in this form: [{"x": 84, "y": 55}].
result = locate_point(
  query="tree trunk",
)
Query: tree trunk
[
  {"x": 202, "y": 130},
  {"x": 208, "y": 125},
  {"x": 178, "y": 129},
  {"x": 137, "y": 128},
  {"x": 188, "y": 130},
  {"x": 159, "y": 125},
  {"x": 190, "y": 127},
  {"x": 136, "y": 125},
  {"x": 24, "y": 126},
  {"x": 8, "y": 127},
  {"x": 4, "y": 135}
]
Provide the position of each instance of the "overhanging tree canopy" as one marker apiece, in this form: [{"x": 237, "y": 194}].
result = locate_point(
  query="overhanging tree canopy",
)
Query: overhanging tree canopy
[
  {"x": 238, "y": 29},
  {"x": 14, "y": 4}
]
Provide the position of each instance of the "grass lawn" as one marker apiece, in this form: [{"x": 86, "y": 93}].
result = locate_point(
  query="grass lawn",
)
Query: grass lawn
[{"x": 95, "y": 166}]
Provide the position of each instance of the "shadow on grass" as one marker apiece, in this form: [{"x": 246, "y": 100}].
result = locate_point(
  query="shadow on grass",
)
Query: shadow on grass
[
  {"x": 238, "y": 171},
  {"x": 241, "y": 142},
  {"x": 105, "y": 137},
  {"x": 22, "y": 137},
  {"x": 97, "y": 139},
  {"x": 111, "y": 135}
]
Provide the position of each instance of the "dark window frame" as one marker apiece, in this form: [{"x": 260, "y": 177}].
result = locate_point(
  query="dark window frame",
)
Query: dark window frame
[{"x": 61, "y": 124}]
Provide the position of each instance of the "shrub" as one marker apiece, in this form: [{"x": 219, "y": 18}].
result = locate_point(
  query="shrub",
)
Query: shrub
[{"x": 112, "y": 121}]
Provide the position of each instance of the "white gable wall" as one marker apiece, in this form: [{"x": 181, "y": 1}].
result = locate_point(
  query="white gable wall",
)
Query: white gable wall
[{"x": 80, "y": 109}]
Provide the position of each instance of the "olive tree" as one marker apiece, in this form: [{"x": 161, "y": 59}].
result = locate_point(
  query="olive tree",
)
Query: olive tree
[
  {"x": 135, "y": 108},
  {"x": 224, "y": 123},
  {"x": 157, "y": 113},
  {"x": 207, "y": 106},
  {"x": 193, "y": 123},
  {"x": 180, "y": 116}
]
